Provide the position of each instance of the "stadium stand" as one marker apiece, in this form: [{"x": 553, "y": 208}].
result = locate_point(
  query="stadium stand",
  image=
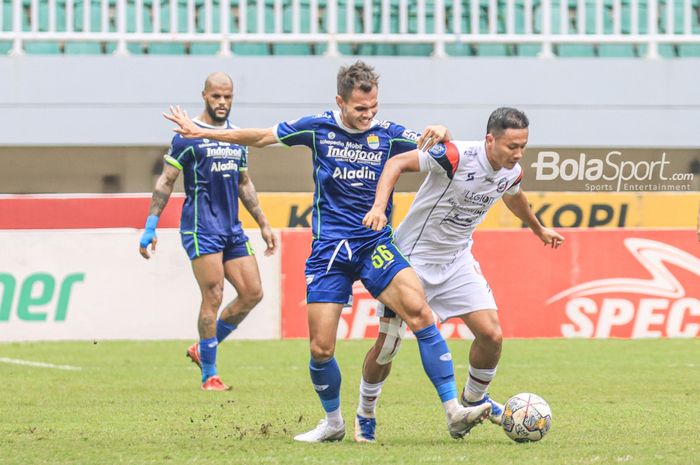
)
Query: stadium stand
[{"x": 565, "y": 28}]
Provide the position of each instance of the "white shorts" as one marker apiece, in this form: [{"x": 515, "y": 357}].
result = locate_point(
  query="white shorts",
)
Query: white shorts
[{"x": 454, "y": 289}]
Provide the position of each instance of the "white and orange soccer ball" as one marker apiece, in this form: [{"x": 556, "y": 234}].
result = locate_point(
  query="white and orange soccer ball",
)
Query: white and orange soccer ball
[{"x": 526, "y": 417}]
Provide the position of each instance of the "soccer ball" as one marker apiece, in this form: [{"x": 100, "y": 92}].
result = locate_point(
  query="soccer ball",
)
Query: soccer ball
[{"x": 526, "y": 417}]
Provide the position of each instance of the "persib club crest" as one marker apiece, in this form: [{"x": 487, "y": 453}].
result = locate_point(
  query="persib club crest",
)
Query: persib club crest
[{"x": 373, "y": 141}]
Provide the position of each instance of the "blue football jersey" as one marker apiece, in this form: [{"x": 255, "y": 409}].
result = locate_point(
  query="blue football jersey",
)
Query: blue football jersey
[
  {"x": 346, "y": 168},
  {"x": 211, "y": 172}
]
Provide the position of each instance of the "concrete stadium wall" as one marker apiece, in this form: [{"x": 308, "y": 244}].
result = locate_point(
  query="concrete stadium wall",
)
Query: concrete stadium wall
[{"x": 116, "y": 101}]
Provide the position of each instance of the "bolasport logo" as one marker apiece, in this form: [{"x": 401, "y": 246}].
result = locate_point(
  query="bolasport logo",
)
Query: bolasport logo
[
  {"x": 613, "y": 173},
  {"x": 654, "y": 307}
]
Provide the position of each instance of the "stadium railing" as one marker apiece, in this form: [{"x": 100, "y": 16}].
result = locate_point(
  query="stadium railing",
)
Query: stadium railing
[{"x": 544, "y": 28}]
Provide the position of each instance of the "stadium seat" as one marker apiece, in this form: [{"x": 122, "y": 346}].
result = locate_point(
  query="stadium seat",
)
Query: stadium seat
[
  {"x": 94, "y": 24},
  {"x": 692, "y": 50},
  {"x": 617, "y": 50},
  {"x": 288, "y": 27},
  {"x": 202, "y": 48},
  {"x": 341, "y": 25},
  {"x": 418, "y": 49},
  {"x": 458, "y": 48},
  {"x": 6, "y": 25},
  {"x": 524, "y": 50},
  {"x": 492, "y": 50},
  {"x": 258, "y": 48},
  {"x": 45, "y": 47},
  {"x": 573, "y": 50},
  {"x": 166, "y": 10}
]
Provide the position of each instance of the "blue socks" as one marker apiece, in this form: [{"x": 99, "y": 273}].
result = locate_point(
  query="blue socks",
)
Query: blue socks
[
  {"x": 326, "y": 379},
  {"x": 223, "y": 329},
  {"x": 437, "y": 362},
  {"x": 207, "y": 348},
  {"x": 207, "y": 355}
]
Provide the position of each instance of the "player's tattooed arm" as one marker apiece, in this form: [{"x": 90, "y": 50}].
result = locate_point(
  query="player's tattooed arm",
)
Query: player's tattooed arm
[
  {"x": 249, "y": 198},
  {"x": 164, "y": 187}
]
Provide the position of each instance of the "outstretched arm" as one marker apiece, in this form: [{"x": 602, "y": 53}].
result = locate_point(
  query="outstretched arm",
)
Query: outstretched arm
[
  {"x": 408, "y": 161},
  {"x": 249, "y": 198},
  {"x": 520, "y": 207},
  {"x": 159, "y": 199},
  {"x": 255, "y": 137}
]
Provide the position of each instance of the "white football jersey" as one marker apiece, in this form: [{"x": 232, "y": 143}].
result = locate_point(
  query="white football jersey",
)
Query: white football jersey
[{"x": 460, "y": 188}]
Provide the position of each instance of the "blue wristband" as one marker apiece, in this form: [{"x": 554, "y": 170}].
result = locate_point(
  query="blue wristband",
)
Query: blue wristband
[
  {"x": 150, "y": 231},
  {"x": 152, "y": 222}
]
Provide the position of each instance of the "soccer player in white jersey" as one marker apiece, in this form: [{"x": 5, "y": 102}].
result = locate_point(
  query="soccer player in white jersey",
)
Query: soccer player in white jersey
[
  {"x": 465, "y": 179},
  {"x": 350, "y": 147}
]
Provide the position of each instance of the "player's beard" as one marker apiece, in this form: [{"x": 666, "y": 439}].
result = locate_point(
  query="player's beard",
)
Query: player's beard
[{"x": 216, "y": 118}]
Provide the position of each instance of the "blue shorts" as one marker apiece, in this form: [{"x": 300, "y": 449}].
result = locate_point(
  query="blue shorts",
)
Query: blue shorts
[
  {"x": 233, "y": 246},
  {"x": 334, "y": 265}
]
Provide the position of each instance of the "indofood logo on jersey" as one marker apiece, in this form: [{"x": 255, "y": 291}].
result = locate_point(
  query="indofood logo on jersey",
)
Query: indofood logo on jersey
[
  {"x": 373, "y": 141},
  {"x": 223, "y": 152},
  {"x": 602, "y": 308},
  {"x": 354, "y": 153}
]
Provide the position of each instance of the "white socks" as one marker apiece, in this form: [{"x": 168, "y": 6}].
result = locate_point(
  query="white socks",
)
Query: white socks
[
  {"x": 451, "y": 406},
  {"x": 335, "y": 418},
  {"x": 369, "y": 393},
  {"x": 478, "y": 382}
]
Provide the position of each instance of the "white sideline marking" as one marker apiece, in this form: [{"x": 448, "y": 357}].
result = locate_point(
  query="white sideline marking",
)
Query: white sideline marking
[{"x": 37, "y": 364}]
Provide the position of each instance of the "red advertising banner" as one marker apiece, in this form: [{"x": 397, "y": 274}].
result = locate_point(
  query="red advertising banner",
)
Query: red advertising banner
[
  {"x": 84, "y": 211},
  {"x": 600, "y": 284}
]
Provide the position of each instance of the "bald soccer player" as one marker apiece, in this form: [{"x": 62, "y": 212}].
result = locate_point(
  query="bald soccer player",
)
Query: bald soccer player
[{"x": 216, "y": 176}]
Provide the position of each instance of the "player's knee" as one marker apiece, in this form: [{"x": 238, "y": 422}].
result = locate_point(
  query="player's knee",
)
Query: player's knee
[
  {"x": 252, "y": 297},
  {"x": 321, "y": 352},
  {"x": 492, "y": 337},
  {"x": 419, "y": 315},
  {"x": 213, "y": 295}
]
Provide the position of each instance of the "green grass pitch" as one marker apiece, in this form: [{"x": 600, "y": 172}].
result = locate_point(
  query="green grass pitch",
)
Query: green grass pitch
[{"x": 613, "y": 402}]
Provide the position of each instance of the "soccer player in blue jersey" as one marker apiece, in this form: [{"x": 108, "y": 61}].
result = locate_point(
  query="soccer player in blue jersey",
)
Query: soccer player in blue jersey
[
  {"x": 216, "y": 176},
  {"x": 350, "y": 148}
]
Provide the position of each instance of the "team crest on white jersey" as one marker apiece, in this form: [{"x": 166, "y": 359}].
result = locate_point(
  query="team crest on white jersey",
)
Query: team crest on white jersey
[
  {"x": 437, "y": 150},
  {"x": 373, "y": 141},
  {"x": 502, "y": 183}
]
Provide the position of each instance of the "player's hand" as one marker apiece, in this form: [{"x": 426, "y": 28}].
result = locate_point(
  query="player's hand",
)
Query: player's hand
[
  {"x": 186, "y": 127},
  {"x": 551, "y": 237},
  {"x": 270, "y": 239},
  {"x": 375, "y": 219},
  {"x": 148, "y": 238},
  {"x": 432, "y": 135}
]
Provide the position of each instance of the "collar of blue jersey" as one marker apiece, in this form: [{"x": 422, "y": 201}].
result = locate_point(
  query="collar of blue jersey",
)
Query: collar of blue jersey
[
  {"x": 198, "y": 122},
  {"x": 336, "y": 115}
]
